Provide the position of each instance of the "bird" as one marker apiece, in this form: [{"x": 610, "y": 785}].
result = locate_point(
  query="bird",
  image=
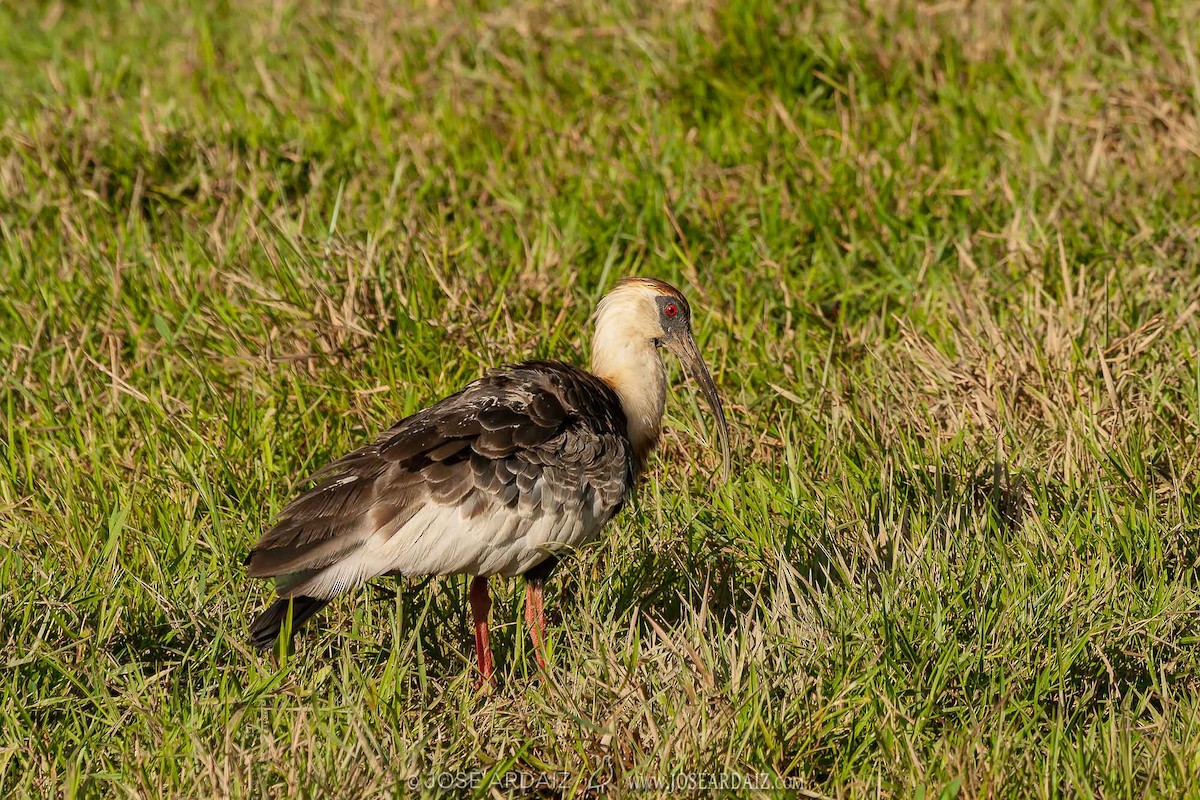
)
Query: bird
[{"x": 503, "y": 478}]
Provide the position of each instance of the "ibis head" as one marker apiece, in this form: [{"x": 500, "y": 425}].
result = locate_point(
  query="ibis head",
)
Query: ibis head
[{"x": 633, "y": 321}]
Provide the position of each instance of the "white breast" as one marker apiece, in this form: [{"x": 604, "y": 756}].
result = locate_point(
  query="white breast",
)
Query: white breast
[{"x": 444, "y": 540}]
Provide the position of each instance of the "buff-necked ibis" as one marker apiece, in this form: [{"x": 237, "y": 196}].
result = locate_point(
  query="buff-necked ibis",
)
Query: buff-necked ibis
[{"x": 501, "y": 478}]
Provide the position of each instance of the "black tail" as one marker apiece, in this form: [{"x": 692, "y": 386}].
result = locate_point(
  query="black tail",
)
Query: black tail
[{"x": 265, "y": 629}]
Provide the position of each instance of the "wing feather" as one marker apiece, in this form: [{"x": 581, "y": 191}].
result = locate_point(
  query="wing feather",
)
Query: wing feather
[{"x": 534, "y": 440}]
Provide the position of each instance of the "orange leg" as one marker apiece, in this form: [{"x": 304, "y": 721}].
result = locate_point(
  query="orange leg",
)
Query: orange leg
[
  {"x": 481, "y": 605},
  {"x": 535, "y": 618}
]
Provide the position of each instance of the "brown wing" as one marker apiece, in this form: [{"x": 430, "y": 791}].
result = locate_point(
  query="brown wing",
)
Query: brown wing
[{"x": 537, "y": 437}]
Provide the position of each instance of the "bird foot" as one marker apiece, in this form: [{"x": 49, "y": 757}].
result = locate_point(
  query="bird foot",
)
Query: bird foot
[{"x": 535, "y": 620}]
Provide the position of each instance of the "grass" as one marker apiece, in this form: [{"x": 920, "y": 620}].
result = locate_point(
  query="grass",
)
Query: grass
[{"x": 946, "y": 266}]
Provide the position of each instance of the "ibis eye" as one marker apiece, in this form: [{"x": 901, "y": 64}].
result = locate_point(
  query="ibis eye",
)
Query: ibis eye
[{"x": 670, "y": 309}]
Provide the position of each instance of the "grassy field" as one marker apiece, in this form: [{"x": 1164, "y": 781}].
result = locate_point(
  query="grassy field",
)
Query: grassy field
[{"x": 945, "y": 260}]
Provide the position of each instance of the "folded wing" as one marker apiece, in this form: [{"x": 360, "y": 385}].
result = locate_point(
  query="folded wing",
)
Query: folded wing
[{"x": 522, "y": 463}]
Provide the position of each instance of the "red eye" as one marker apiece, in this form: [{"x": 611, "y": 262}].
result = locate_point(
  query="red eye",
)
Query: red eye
[{"x": 670, "y": 309}]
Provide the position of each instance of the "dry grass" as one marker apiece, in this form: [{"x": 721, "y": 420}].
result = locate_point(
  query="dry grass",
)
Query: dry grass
[{"x": 945, "y": 262}]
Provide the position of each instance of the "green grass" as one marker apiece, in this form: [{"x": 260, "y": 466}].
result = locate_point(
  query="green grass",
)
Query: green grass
[{"x": 945, "y": 260}]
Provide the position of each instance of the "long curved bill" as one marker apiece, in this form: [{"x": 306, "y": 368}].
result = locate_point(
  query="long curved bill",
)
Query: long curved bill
[{"x": 684, "y": 346}]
